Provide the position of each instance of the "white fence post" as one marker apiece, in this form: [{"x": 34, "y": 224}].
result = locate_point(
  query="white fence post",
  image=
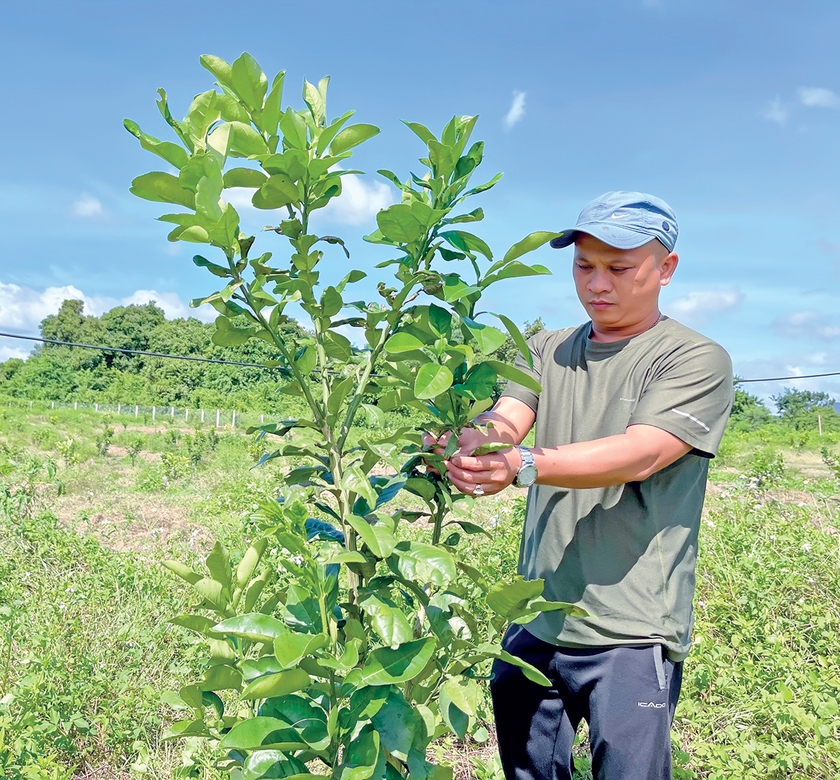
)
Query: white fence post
[
  {"x": 136, "y": 410},
  {"x": 97, "y": 407},
  {"x": 202, "y": 415},
  {"x": 53, "y": 405},
  {"x": 75, "y": 404},
  {"x": 186, "y": 415},
  {"x": 154, "y": 412},
  {"x": 262, "y": 419},
  {"x": 30, "y": 404}
]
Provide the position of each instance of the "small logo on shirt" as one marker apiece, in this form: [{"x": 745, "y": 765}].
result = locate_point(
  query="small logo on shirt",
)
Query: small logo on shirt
[{"x": 653, "y": 704}]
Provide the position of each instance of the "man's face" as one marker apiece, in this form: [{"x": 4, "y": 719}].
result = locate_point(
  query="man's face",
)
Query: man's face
[{"x": 619, "y": 288}]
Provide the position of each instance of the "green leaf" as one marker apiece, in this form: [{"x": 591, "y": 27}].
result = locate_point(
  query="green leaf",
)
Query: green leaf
[
  {"x": 248, "y": 564},
  {"x": 163, "y": 188},
  {"x": 228, "y": 335},
  {"x": 467, "y": 242},
  {"x": 218, "y": 67},
  {"x": 362, "y": 757},
  {"x": 301, "y": 610},
  {"x": 331, "y": 302},
  {"x": 185, "y": 728},
  {"x": 454, "y": 288},
  {"x": 531, "y": 672},
  {"x": 294, "y": 129},
  {"x": 221, "y": 678},
  {"x": 172, "y": 153},
  {"x": 421, "y": 131},
  {"x": 339, "y": 392},
  {"x": 515, "y": 375},
  {"x": 440, "y": 320},
  {"x": 518, "y": 338},
  {"x": 337, "y": 347},
  {"x": 352, "y": 136},
  {"x": 254, "y": 626},
  {"x": 397, "y": 723},
  {"x": 218, "y": 564},
  {"x": 271, "y": 764},
  {"x": 183, "y": 571},
  {"x": 271, "y": 111},
  {"x": 277, "y": 192},
  {"x": 399, "y": 224},
  {"x": 490, "y": 447},
  {"x": 488, "y": 338},
  {"x": 248, "y": 81},
  {"x": 432, "y": 380},
  {"x": 244, "y": 177},
  {"x": 387, "y": 667},
  {"x": 198, "y": 623},
  {"x": 387, "y": 620},
  {"x": 464, "y": 693},
  {"x": 379, "y": 538},
  {"x": 512, "y": 271},
  {"x": 280, "y": 684},
  {"x": 507, "y": 598},
  {"x": 262, "y": 733},
  {"x": 528, "y": 244},
  {"x": 479, "y": 383},
  {"x": 246, "y": 140},
  {"x": 402, "y": 342},
  {"x": 313, "y": 98},
  {"x": 290, "y": 648},
  {"x": 425, "y": 563}
]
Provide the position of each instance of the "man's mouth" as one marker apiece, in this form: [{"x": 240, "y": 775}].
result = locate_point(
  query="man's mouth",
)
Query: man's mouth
[{"x": 600, "y": 304}]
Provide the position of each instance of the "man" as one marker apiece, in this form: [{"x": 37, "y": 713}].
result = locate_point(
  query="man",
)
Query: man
[{"x": 633, "y": 406}]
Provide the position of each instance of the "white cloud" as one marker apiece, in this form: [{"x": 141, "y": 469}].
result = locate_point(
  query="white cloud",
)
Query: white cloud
[
  {"x": 7, "y": 352},
  {"x": 806, "y": 325},
  {"x": 776, "y": 111},
  {"x": 22, "y": 309},
  {"x": 700, "y": 306},
  {"x": 359, "y": 201},
  {"x": 517, "y": 109},
  {"x": 819, "y": 97},
  {"x": 87, "y": 206},
  {"x": 240, "y": 198}
]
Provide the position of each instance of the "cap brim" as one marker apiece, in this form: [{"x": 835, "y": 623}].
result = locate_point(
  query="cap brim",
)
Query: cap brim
[
  {"x": 613, "y": 235},
  {"x": 566, "y": 238}
]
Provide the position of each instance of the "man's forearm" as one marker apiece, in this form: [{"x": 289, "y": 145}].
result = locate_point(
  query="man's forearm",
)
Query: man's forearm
[{"x": 612, "y": 460}]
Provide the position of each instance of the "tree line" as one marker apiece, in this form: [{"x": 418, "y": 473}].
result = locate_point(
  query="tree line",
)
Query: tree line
[{"x": 60, "y": 373}]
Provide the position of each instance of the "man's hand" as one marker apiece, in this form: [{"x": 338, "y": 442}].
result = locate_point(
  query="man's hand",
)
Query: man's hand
[{"x": 489, "y": 473}]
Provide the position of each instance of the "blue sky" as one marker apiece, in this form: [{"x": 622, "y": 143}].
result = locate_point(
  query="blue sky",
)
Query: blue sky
[{"x": 729, "y": 111}]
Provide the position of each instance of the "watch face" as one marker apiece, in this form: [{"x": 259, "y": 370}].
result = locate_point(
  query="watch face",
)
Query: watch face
[{"x": 527, "y": 476}]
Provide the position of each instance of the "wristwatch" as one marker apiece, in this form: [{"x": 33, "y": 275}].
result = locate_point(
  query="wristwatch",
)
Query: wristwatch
[{"x": 527, "y": 474}]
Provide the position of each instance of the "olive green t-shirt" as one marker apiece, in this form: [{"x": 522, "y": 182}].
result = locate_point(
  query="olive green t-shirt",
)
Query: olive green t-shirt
[{"x": 626, "y": 553}]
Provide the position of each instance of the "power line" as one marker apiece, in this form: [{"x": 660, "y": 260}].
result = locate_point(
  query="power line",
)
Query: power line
[
  {"x": 785, "y": 378},
  {"x": 260, "y": 365},
  {"x": 134, "y": 351}
]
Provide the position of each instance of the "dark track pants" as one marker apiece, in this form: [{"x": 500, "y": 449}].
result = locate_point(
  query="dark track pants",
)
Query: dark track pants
[{"x": 626, "y": 694}]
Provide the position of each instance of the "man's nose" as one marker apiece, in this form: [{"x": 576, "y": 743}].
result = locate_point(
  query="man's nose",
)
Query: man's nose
[{"x": 599, "y": 282}]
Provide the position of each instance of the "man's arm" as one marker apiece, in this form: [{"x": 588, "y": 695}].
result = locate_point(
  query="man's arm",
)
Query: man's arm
[{"x": 632, "y": 456}]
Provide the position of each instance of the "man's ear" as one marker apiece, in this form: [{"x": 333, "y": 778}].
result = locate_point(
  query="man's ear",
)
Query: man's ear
[{"x": 667, "y": 266}]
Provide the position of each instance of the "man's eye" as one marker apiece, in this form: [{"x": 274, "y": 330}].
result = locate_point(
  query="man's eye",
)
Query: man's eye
[{"x": 617, "y": 270}]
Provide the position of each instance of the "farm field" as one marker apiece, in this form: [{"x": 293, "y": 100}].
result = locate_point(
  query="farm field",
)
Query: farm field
[{"x": 90, "y": 506}]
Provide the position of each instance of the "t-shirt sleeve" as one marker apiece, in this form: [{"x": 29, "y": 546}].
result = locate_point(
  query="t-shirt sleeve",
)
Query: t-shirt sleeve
[
  {"x": 514, "y": 390},
  {"x": 690, "y": 395}
]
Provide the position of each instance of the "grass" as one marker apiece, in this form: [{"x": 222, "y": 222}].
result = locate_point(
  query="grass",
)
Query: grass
[{"x": 85, "y": 647}]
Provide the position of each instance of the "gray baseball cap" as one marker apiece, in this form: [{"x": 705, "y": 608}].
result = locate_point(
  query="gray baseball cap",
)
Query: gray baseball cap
[{"x": 624, "y": 220}]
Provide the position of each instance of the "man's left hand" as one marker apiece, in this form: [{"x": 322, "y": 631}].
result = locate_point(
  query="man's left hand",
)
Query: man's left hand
[{"x": 485, "y": 474}]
